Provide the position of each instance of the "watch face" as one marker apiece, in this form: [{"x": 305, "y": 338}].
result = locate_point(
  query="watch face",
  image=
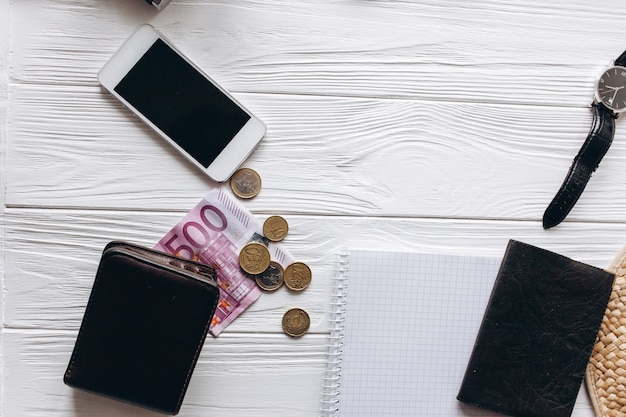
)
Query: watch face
[{"x": 611, "y": 88}]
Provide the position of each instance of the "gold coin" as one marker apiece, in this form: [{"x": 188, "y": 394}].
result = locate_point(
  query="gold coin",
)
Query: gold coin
[
  {"x": 254, "y": 258},
  {"x": 275, "y": 228},
  {"x": 272, "y": 278},
  {"x": 245, "y": 183},
  {"x": 296, "y": 322},
  {"x": 297, "y": 276}
]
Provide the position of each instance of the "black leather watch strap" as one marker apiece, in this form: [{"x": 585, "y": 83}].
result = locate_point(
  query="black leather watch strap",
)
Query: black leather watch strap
[
  {"x": 621, "y": 60},
  {"x": 589, "y": 156}
]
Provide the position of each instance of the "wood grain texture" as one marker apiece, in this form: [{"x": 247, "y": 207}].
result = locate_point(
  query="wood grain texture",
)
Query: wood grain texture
[
  {"x": 430, "y": 125},
  {"x": 415, "y": 153},
  {"x": 5, "y": 25},
  {"x": 54, "y": 254},
  {"x": 490, "y": 51},
  {"x": 74, "y": 146},
  {"x": 236, "y": 375}
]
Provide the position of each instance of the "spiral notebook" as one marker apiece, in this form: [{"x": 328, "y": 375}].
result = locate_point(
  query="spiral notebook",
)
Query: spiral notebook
[{"x": 403, "y": 327}]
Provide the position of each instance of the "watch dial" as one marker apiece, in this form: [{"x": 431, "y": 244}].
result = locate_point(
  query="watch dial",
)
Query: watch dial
[{"x": 611, "y": 88}]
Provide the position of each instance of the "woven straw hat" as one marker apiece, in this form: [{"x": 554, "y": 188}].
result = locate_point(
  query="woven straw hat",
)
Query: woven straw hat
[{"x": 606, "y": 372}]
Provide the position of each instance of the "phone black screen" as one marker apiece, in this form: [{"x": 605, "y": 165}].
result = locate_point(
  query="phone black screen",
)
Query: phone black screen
[{"x": 181, "y": 102}]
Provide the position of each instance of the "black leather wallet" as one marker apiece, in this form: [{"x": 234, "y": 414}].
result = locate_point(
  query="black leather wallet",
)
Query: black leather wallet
[
  {"x": 537, "y": 334},
  {"x": 144, "y": 326}
]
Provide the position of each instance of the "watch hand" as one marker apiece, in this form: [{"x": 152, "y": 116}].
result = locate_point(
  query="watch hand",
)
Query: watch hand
[{"x": 615, "y": 90}]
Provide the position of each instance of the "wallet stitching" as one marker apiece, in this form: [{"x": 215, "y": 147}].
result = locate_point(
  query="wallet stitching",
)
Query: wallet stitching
[
  {"x": 89, "y": 307},
  {"x": 198, "y": 349},
  {"x": 207, "y": 271}
]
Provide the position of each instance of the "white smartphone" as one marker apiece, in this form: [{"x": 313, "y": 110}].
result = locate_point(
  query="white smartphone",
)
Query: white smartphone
[{"x": 183, "y": 104}]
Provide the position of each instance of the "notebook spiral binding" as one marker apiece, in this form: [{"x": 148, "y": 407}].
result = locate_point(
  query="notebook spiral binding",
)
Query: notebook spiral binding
[{"x": 332, "y": 375}]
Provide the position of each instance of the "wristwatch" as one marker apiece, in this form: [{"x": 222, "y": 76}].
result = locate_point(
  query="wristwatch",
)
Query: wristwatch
[{"x": 609, "y": 102}]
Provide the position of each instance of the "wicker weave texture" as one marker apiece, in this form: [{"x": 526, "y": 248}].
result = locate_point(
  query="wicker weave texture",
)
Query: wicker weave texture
[{"x": 606, "y": 372}]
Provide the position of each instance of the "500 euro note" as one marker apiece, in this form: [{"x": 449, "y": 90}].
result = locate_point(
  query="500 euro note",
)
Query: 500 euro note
[{"x": 213, "y": 233}]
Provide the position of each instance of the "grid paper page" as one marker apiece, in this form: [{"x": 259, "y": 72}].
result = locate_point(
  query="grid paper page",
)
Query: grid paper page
[{"x": 410, "y": 326}]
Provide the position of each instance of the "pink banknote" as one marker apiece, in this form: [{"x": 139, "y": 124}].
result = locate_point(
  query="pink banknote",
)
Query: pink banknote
[{"x": 214, "y": 232}]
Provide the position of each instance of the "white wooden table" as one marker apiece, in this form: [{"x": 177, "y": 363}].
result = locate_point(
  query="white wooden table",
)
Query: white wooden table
[{"x": 434, "y": 125}]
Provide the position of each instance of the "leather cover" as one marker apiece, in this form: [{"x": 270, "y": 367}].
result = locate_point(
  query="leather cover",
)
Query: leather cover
[
  {"x": 537, "y": 334},
  {"x": 585, "y": 163},
  {"x": 144, "y": 326}
]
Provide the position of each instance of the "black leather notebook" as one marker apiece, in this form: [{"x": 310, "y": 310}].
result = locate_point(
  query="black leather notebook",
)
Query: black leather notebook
[
  {"x": 537, "y": 334},
  {"x": 144, "y": 326}
]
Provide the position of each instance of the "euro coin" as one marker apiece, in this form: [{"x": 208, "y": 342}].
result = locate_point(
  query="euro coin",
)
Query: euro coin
[
  {"x": 297, "y": 276},
  {"x": 272, "y": 278},
  {"x": 245, "y": 183},
  {"x": 296, "y": 322},
  {"x": 254, "y": 258},
  {"x": 275, "y": 228}
]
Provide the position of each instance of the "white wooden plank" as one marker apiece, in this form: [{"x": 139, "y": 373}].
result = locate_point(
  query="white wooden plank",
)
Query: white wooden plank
[
  {"x": 236, "y": 375},
  {"x": 492, "y": 51},
  {"x": 242, "y": 375},
  {"x": 52, "y": 255},
  {"x": 75, "y": 147},
  {"x": 55, "y": 265},
  {"x": 5, "y": 13},
  {"x": 512, "y": 54}
]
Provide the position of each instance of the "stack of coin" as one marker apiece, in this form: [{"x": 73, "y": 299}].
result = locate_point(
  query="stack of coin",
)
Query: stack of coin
[{"x": 254, "y": 258}]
